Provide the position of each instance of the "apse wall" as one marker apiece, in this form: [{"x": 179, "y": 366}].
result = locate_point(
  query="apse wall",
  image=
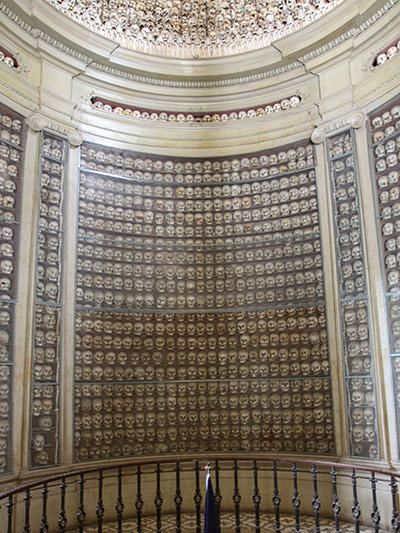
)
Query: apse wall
[{"x": 200, "y": 263}]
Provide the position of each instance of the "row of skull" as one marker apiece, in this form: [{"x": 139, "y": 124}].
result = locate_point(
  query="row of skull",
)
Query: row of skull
[
  {"x": 221, "y": 233},
  {"x": 385, "y": 116},
  {"x": 273, "y": 357},
  {"x": 231, "y": 371},
  {"x": 54, "y": 168},
  {"x": 321, "y": 446},
  {"x": 10, "y": 120},
  {"x": 295, "y": 271},
  {"x": 188, "y": 284},
  {"x": 198, "y": 198},
  {"x": 390, "y": 146},
  {"x": 389, "y": 196},
  {"x": 205, "y": 389},
  {"x": 259, "y": 221},
  {"x": 114, "y": 107},
  {"x": 281, "y": 408},
  {"x": 103, "y": 418},
  {"x": 11, "y": 137},
  {"x": 134, "y": 193},
  {"x": 47, "y": 292},
  {"x": 94, "y": 299},
  {"x": 190, "y": 243},
  {"x": 105, "y": 155},
  {"x": 342, "y": 164},
  {"x": 214, "y": 431},
  {"x": 9, "y": 170},
  {"x": 8, "y": 153},
  {"x": 53, "y": 147},
  {"x": 265, "y": 321},
  {"x": 287, "y": 166},
  {"x": 340, "y": 144}
]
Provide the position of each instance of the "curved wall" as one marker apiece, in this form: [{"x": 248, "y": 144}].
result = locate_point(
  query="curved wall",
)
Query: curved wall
[{"x": 180, "y": 282}]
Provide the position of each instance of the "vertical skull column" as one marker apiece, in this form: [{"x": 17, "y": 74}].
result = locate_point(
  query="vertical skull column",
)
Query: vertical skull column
[
  {"x": 47, "y": 311},
  {"x": 385, "y": 153},
  {"x": 354, "y": 308},
  {"x": 12, "y": 141}
]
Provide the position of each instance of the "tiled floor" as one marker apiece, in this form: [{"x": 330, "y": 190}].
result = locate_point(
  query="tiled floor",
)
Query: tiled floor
[{"x": 267, "y": 523}]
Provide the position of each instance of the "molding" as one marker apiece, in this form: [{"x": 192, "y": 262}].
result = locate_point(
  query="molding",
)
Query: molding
[
  {"x": 379, "y": 87},
  {"x": 12, "y": 89},
  {"x": 354, "y": 120},
  {"x": 197, "y": 84}
]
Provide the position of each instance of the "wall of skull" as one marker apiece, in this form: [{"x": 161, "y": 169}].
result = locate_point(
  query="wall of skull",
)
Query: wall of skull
[
  {"x": 354, "y": 306},
  {"x": 48, "y": 304},
  {"x": 384, "y": 125},
  {"x": 12, "y": 140},
  {"x": 200, "y": 320}
]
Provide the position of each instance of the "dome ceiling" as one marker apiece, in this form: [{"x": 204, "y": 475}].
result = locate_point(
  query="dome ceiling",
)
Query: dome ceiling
[{"x": 194, "y": 28}]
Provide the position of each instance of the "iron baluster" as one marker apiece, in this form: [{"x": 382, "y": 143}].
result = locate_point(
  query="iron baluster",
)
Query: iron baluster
[
  {"x": 296, "y": 499},
  {"x": 44, "y": 526},
  {"x": 276, "y": 499},
  {"x": 355, "y": 510},
  {"x": 62, "y": 519},
  {"x": 100, "y": 504},
  {"x": 335, "y": 501},
  {"x": 119, "y": 506},
  {"x": 27, "y": 500},
  {"x": 197, "y": 498},
  {"x": 81, "y": 515},
  {"x": 158, "y": 499},
  {"x": 375, "y": 515},
  {"x": 256, "y": 497},
  {"x": 395, "y": 513},
  {"x": 236, "y": 496},
  {"x": 178, "y": 497},
  {"x": 218, "y": 496},
  {"x": 316, "y": 504},
  {"x": 10, "y": 505},
  {"x": 139, "y": 500}
]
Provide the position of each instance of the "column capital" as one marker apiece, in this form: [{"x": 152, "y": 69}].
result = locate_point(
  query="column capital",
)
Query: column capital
[
  {"x": 352, "y": 120},
  {"x": 38, "y": 122}
]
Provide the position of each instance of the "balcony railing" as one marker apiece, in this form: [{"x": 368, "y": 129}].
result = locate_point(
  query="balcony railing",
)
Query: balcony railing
[{"x": 310, "y": 494}]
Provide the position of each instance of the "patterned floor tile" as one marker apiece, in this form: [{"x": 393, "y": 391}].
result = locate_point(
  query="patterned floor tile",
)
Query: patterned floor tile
[{"x": 247, "y": 525}]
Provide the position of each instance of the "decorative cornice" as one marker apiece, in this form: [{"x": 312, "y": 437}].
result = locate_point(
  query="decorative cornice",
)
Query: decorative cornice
[
  {"x": 239, "y": 80},
  {"x": 377, "y": 88},
  {"x": 20, "y": 94},
  {"x": 354, "y": 120},
  {"x": 108, "y": 106},
  {"x": 39, "y": 122}
]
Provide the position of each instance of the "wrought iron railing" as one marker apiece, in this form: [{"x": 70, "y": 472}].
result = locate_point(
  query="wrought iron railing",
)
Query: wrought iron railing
[{"x": 157, "y": 488}]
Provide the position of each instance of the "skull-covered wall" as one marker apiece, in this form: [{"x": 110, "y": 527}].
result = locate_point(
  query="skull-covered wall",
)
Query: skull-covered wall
[
  {"x": 12, "y": 144},
  {"x": 200, "y": 319}
]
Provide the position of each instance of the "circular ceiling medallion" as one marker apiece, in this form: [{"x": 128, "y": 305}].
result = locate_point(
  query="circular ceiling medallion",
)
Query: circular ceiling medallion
[{"x": 194, "y": 28}]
